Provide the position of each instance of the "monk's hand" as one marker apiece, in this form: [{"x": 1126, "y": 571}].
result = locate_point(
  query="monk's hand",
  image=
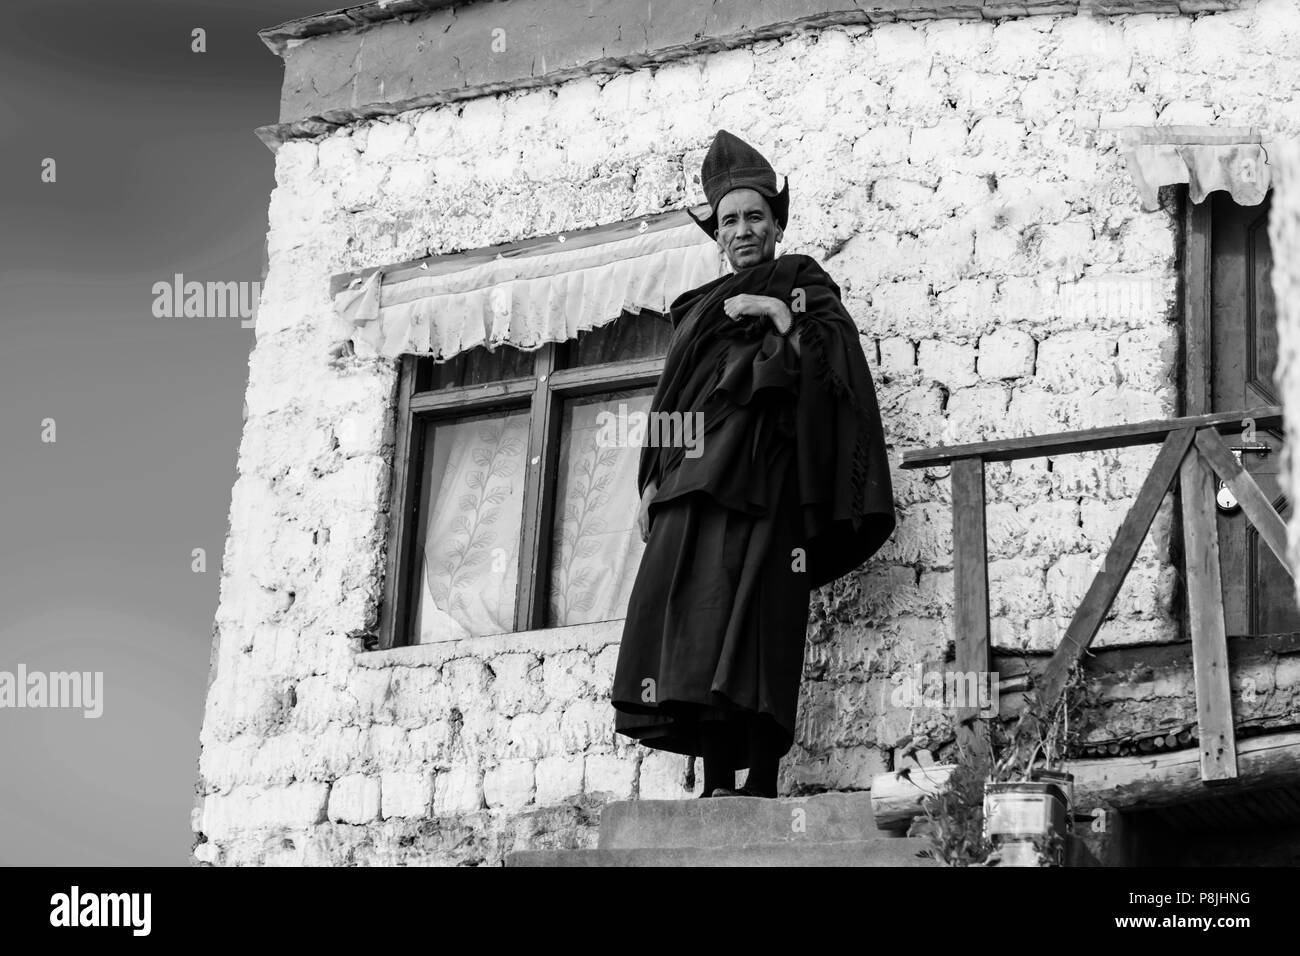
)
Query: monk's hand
[
  {"x": 763, "y": 306},
  {"x": 643, "y": 515}
]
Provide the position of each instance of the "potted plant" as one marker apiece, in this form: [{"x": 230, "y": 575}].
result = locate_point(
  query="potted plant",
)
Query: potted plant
[
  {"x": 1028, "y": 799},
  {"x": 953, "y": 820},
  {"x": 1012, "y": 807}
]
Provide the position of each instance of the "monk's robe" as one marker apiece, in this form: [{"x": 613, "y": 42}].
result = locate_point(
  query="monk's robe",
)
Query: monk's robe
[{"x": 790, "y": 490}]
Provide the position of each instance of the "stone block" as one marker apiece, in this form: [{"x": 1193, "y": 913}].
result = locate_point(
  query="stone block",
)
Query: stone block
[
  {"x": 603, "y": 665},
  {"x": 841, "y": 768},
  {"x": 250, "y": 808},
  {"x": 934, "y": 144},
  {"x": 729, "y": 69},
  {"x": 948, "y": 363},
  {"x": 517, "y": 685},
  {"x": 535, "y": 735},
  {"x": 977, "y": 413},
  {"x": 905, "y": 306},
  {"x": 558, "y": 778},
  {"x": 902, "y": 194},
  {"x": 882, "y": 146},
  {"x": 430, "y": 744},
  {"x": 1006, "y": 354},
  {"x": 663, "y": 776},
  {"x": 354, "y": 799},
  {"x": 923, "y": 534},
  {"x": 1186, "y": 113},
  {"x": 386, "y": 747},
  {"x": 509, "y": 785},
  {"x": 610, "y": 774},
  {"x": 1016, "y": 587},
  {"x": 586, "y": 723},
  {"x": 458, "y": 789},
  {"x": 406, "y": 794},
  {"x": 897, "y": 355},
  {"x": 468, "y": 680},
  {"x": 567, "y": 675},
  {"x": 386, "y": 140},
  {"x": 1044, "y": 98},
  {"x": 1077, "y": 360},
  {"x": 1068, "y": 580}
]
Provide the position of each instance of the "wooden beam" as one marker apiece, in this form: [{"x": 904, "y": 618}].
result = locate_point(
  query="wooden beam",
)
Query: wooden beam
[
  {"x": 970, "y": 591},
  {"x": 1164, "y": 777},
  {"x": 1118, "y": 662},
  {"x": 896, "y": 797},
  {"x": 1090, "y": 439},
  {"x": 1205, "y": 618},
  {"x": 608, "y": 376},
  {"x": 474, "y": 399},
  {"x": 1140, "y": 782},
  {"x": 1258, "y": 509},
  {"x": 1108, "y": 580}
]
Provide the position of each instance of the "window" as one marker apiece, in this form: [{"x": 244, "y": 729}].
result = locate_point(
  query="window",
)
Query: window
[{"x": 511, "y": 510}]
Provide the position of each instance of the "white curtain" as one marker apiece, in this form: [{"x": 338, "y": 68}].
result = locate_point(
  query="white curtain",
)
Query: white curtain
[
  {"x": 597, "y": 547},
  {"x": 475, "y": 482},
  {"x": 475, "y": 473},
  {"x": 1207, "y": 158},
  {"x": 545, "y": 294}
]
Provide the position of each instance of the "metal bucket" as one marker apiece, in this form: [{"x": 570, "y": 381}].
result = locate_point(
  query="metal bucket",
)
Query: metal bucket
[{"x": 1017, "y": 813}]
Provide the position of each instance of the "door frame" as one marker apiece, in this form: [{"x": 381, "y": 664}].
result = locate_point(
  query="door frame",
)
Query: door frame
[
  {"x": 1196, "y": 367},
  {"x": 1194, "y": 392}
]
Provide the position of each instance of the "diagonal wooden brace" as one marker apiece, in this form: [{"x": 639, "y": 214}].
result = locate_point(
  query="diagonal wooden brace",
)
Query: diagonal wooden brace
[{"x": 1108, "y": 580}]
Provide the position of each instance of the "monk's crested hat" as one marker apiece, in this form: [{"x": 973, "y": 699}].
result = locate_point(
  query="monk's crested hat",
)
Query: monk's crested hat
[{"x": 731, "y": 163}]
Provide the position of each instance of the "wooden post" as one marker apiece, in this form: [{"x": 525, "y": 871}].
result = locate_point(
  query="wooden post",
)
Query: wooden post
[
  {"x": 1205, "y": 618},
  {"x": 970, "y": 592}
]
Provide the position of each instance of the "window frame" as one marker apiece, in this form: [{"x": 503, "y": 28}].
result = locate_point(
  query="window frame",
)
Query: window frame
[{"x": 543, "y": 394}]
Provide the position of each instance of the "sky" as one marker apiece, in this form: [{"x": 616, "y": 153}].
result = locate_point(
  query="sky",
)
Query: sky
[{"x": 157, "y": 171}]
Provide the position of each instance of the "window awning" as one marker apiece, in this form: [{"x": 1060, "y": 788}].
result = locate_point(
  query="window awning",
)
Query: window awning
[
  {"x": 1204, "y": 157},
  {"x": 542, "y": 291}
]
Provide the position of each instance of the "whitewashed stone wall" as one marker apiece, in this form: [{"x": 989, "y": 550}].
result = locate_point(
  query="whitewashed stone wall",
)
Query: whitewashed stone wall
[
  {"x": 1284, "y": 237},
  {"x": 962, "y": 183}
]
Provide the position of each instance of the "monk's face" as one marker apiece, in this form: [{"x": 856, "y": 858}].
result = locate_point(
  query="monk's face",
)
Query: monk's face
[{"x": 747, "y": 230}]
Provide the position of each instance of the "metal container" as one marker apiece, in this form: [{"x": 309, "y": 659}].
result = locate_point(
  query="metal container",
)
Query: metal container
[
  {"x": 1066, "y": 781},
  {"x": 1016, "y": 813}
]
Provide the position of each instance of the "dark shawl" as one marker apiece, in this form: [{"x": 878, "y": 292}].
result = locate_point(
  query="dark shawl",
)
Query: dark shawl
[{"x": 731, "y": 370}]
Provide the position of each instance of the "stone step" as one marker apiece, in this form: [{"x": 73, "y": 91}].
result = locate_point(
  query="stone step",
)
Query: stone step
[
  {"x": 896, "y": 852},
  {"x": 739, "y": 821}
]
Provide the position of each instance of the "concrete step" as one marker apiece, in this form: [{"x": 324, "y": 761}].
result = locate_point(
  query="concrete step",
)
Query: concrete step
[
  {"x": 739, "y": 821},
  {"x": 896, "y": 852}
]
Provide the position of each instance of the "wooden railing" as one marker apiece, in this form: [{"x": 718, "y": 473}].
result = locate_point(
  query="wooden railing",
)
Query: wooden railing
[{"x": 1191, "y": 450}]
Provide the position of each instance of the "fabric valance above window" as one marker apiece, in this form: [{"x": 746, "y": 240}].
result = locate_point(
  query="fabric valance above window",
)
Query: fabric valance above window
[
  {"x": 1204, "y": 157},
  {"x": 537, "y": 292}
]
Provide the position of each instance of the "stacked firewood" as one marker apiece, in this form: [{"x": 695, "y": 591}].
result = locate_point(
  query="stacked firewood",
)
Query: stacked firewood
[{"x": 1150, "y": 741}]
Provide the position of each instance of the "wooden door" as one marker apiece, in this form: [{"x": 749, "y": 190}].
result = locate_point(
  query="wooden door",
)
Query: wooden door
[{"x": 1258, "y": 594}]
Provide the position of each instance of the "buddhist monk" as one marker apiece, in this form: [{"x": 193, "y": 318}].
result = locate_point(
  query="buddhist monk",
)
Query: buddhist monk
[{"x": 789, "y": 490}]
